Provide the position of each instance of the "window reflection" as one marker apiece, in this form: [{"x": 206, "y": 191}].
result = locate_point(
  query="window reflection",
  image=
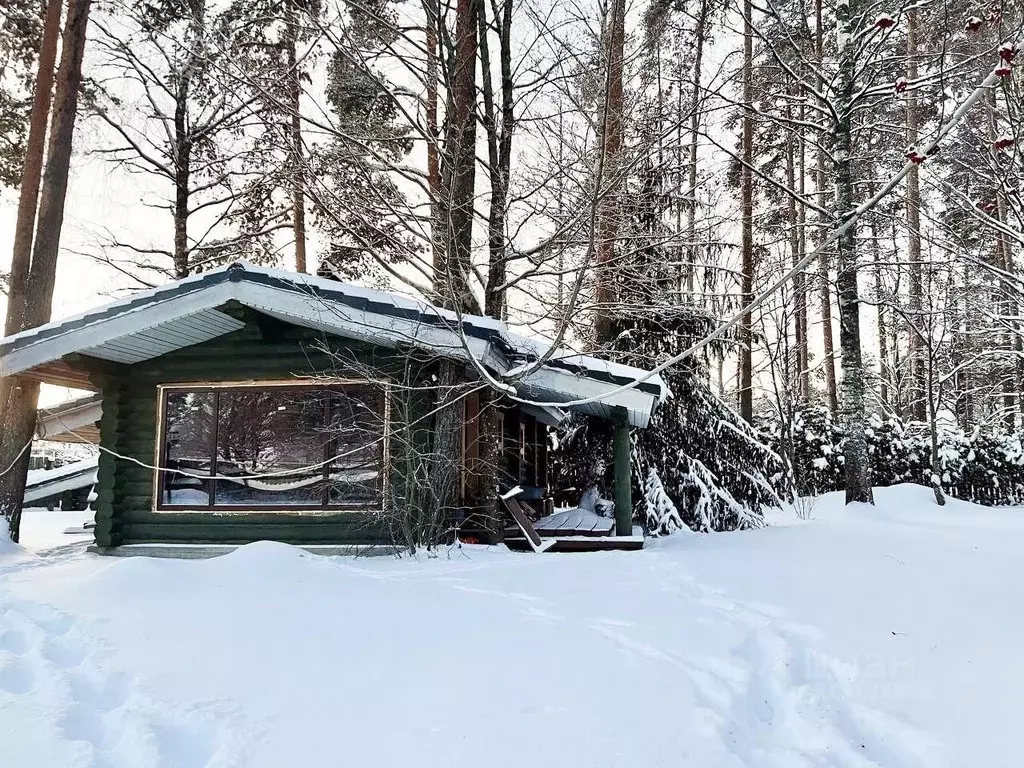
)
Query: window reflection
[
  {"x": 188, "y": 432},
  {"x": 274, "y": 447}
]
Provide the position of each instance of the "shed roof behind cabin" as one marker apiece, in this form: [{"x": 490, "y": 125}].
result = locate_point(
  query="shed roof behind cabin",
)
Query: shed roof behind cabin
[
  {"x": 73, "y": 421},
  {"x": 187, "y": 312}
]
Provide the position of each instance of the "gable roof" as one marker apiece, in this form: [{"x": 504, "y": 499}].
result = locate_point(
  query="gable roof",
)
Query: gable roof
[{"x": 186, "y": 312}]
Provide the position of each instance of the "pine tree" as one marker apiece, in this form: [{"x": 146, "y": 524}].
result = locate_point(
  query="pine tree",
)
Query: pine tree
[
  {"x": 20, "y": 397},
  {"x": 715, "y": 470}
]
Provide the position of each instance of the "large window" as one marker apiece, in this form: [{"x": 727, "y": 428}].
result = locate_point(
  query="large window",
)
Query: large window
[{"x": 273, "y": 447}]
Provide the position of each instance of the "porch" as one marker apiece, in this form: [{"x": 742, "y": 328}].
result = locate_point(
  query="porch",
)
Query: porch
[{"x": 527, "y": 494}]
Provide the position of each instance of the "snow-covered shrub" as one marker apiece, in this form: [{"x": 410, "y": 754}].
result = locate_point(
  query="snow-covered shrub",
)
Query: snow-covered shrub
[
  {"x": 661, "y": 515},
  {"x": 985, "y": 468},
  {"x": 817, "y": 462},
  {"x": 803, "y": 507}
]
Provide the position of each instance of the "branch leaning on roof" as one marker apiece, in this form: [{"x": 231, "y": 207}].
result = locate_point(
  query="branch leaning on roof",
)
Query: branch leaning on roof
[{"x": 988, "y": 83}]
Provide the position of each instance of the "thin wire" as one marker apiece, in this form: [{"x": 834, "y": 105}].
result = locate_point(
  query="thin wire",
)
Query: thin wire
[
  {"x": 18, "y": 457},
  {"x": 295, "y": 471}
]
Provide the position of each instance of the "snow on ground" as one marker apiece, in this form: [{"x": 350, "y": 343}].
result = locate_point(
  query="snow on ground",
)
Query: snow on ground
[
  {"x": 43, "y": 529},
  {"x": 887, "y": 636}
]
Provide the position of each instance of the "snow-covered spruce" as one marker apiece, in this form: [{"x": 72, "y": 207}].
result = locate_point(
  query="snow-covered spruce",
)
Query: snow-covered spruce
[
  {"x": 660, "y": 513},
  {"x": 715, "y": 469},
  {"x": 983, "y": 467}
]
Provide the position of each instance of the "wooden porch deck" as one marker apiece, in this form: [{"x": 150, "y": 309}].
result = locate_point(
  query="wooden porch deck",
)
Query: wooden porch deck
[{"x": 568, "y": 530}]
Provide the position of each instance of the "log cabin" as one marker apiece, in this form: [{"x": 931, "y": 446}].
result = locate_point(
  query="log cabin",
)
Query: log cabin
[{"x": 248, "y": 403}]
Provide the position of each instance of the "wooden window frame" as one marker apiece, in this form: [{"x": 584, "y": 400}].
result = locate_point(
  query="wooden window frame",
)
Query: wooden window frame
[{"x": 163, "y": 390}]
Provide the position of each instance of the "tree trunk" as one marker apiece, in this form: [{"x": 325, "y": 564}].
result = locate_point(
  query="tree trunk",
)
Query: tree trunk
[
  {"x": 933, "y": 430},
  {"x": 800, "y": 280},
  {"x": 746, "y": 382},
  {"x": 883, "y": 325},
  {"x": 855, "y": 449},
  {"x": 297, "y": 159},
  {"x": 18, "y": 413},
  {"x": 31, "y": 174},
  {"x": 913, "y": 201},
  {"x": 452, "y": 282},
  {"x": 799, "y": 363},
  {"x": 964, "y": 350},
  {"x": 18, "y": 397},
  {"x": 182, "y": 167},
  {"x": 433, "y": 160},
  {"x": 700, "y": 36},
  {"x": 1003, "y": 261},
  {"x": 828, "y": 342},
  {"x": 896, "y": 286},
  {"x": 499, "y": 152},
  {"x": 459, "y": 177},
  {"x": 608, "y": 206},
  {"x": 183, "y": 258}
]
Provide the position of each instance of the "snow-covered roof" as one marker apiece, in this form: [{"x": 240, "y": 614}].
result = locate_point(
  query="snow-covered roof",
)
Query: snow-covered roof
[
  {"x": 189, "y": 311},
  {"x": 44, "y": 483}
]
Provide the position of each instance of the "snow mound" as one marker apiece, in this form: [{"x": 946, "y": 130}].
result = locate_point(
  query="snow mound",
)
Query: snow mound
[
  {"x": 133, "y": 574},
  {"x": 267, "y": 564},
  {"x": 261, "y": 560},
  {"x": 8, "y": 549},
  {"x": 906, "y": 502},
  {"x": 261, "y": 556}
]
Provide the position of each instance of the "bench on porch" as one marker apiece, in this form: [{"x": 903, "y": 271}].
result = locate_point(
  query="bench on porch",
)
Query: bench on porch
[{"x": 571, "y": 530}]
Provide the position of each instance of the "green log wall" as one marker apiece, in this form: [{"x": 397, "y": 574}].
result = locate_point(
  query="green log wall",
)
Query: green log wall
[{"x": 264, "y": 350}]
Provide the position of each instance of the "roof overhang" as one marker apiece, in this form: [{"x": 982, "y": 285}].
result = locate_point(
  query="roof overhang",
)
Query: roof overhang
[{"x": 188, "y": 312}]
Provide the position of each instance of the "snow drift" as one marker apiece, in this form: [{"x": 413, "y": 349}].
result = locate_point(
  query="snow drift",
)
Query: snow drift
[{"x": 868, "y": 636}]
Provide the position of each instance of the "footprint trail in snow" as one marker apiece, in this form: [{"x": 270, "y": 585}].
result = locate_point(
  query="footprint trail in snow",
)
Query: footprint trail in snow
[
  {"x": 103, "y": 717},
  {"x": 774, "y": 700}
]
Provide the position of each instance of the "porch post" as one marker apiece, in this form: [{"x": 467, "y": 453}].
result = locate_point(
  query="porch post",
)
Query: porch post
[{"x": 623, "y": 484}]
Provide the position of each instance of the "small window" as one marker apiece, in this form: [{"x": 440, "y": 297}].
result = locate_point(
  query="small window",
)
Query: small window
[{"x": 281, "y": 448}]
